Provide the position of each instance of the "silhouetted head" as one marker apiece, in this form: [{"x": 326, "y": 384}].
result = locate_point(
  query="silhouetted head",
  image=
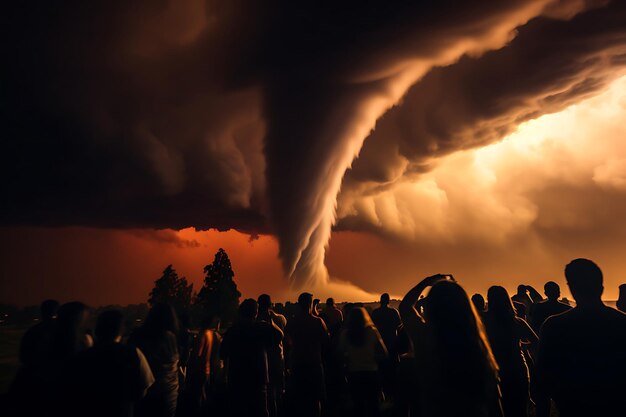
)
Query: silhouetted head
[
  {"x": 330, "y": 302},
  {"x": 584, "y": 279},
  {"x": 69, "y": 333},
  {"x": 384, "y": 300},
  {"x": 316, "y": 302},
  {"x": 73, "y": 314},
  {"x": 621, "y": 300},
  {"x": 500, "y": 304},
  {"x": 358, "y": 320},
  {"x": 622, "y": 292},
  {"x": 458, "y": 331},
  {"x": 479, "y": 302},
  {"x": 265, "y": 302},
  {"x": 346, "y": 308},
  {"x": 248, "y": 309},
  {"x": 448, "y": 306},
  {"x": 521, "y": 289},
  {"x": 552, "y": 290},
  {"x": 109, "y": 327},
  {"x": 49, "y": 309},
  {"x": 305, "y": 301},
  {"x": 161, "y": 318}
]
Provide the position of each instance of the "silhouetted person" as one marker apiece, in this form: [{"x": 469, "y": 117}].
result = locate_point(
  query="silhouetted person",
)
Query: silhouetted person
[
  {"x": 522, "y": 297},
  {"x": 244, "y": 350},
  {"x": 332, "y": 317},
  {"x": 203, "y": 369},
  {"x": 621, "y": 300},
  {"x": 506, "y": 334},
  {"x": 70, "y": 335},
  {"x": 29, "y": 390},
  {"x": 107, "y": 379},
  {"x": 307, "y": 337},
  {"x": 36, "y": 341},
  {"x": 581, "y": 358},
  {"x": 387, "y": 321},
  {"x": 362, "y": 347},
  {"x": 456, "y": 372},
  {"x": 275, "y": 356},
  {"x": 549, "y": 307},
  {"x": 158, "y": 341},
  {"x": 479, "y": 304}
]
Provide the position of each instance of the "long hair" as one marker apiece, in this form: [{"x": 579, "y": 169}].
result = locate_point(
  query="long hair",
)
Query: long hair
[
  {"x": 500, "y": 309},
  {"x": 358, "y": 322},
  {"x": 459, "y": 335},
  {"x": 161, "y": 318}
]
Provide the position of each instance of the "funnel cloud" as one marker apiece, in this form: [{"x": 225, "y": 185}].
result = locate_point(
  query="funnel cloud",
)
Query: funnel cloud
[{"x": 281, "y": 118}]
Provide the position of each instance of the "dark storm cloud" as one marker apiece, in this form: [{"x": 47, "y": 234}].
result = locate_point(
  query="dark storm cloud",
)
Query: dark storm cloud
[
  {"x": 122, "y": 115},
  {"x": 550, "y": 65},
  {"x": 245, "y": 115}
]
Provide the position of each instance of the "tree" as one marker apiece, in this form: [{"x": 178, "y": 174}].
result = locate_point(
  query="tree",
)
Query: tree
[
  {"x": 171, "y": 289},
  {"x": 219, "y": 296}
]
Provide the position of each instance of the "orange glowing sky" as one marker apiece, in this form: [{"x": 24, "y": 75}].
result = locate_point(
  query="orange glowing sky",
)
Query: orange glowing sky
[
  {"x": 177, "y": 121},
  {"x": 481, "y": 215}
]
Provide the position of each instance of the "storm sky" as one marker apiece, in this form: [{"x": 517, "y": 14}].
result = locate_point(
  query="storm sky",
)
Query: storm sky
[{"x": 482, "y": 139}]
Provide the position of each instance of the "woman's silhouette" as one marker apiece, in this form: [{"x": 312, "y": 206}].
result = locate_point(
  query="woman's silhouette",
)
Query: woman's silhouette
[
  {"x": 506, "y": 334},
  {"x": 363, "y": 348},
  {"x": 158, "y": 341},
  {"x": 456, "y": 371}
]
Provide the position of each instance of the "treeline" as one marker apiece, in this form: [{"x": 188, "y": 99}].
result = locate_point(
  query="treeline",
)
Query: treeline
[{"x": 218, "y": 297}]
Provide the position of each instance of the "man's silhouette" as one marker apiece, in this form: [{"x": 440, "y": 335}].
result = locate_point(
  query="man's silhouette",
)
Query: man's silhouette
[
  {"x": 30, "y": 391},
  {"x": 581, "y": 359},
  {"x": 36, "y": 341},
  {"x": 550, "y": 307},
  {"x": 332, "y": 316},
  {"x": 308, "y": 338},
  {"x": 107, "y": 379},
  {"x": 387, "y": 321},
  {"x": 275, "y": 356},
  {"x": 244, "y": 350}
]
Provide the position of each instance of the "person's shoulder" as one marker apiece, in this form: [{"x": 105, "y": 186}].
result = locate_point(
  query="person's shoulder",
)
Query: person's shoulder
[
  {"x": 279, "y": 317},
  {"x": 615, "y": 314},
  {"x": 558, "y": 320}
]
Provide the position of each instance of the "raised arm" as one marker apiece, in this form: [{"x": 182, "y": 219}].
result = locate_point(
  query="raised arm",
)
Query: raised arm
[
  {"x": 535, "y": 296},
  {"x": 407, "y": 305}
]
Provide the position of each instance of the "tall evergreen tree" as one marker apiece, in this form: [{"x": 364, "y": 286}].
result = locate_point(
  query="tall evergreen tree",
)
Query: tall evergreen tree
[
  {"x": 219, "y": 295},
  {"x": 171, "y": 289}
]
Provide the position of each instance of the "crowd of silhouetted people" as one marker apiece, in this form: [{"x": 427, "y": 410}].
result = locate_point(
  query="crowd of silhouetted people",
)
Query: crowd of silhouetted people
[{"x": 441, "y": 354}]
